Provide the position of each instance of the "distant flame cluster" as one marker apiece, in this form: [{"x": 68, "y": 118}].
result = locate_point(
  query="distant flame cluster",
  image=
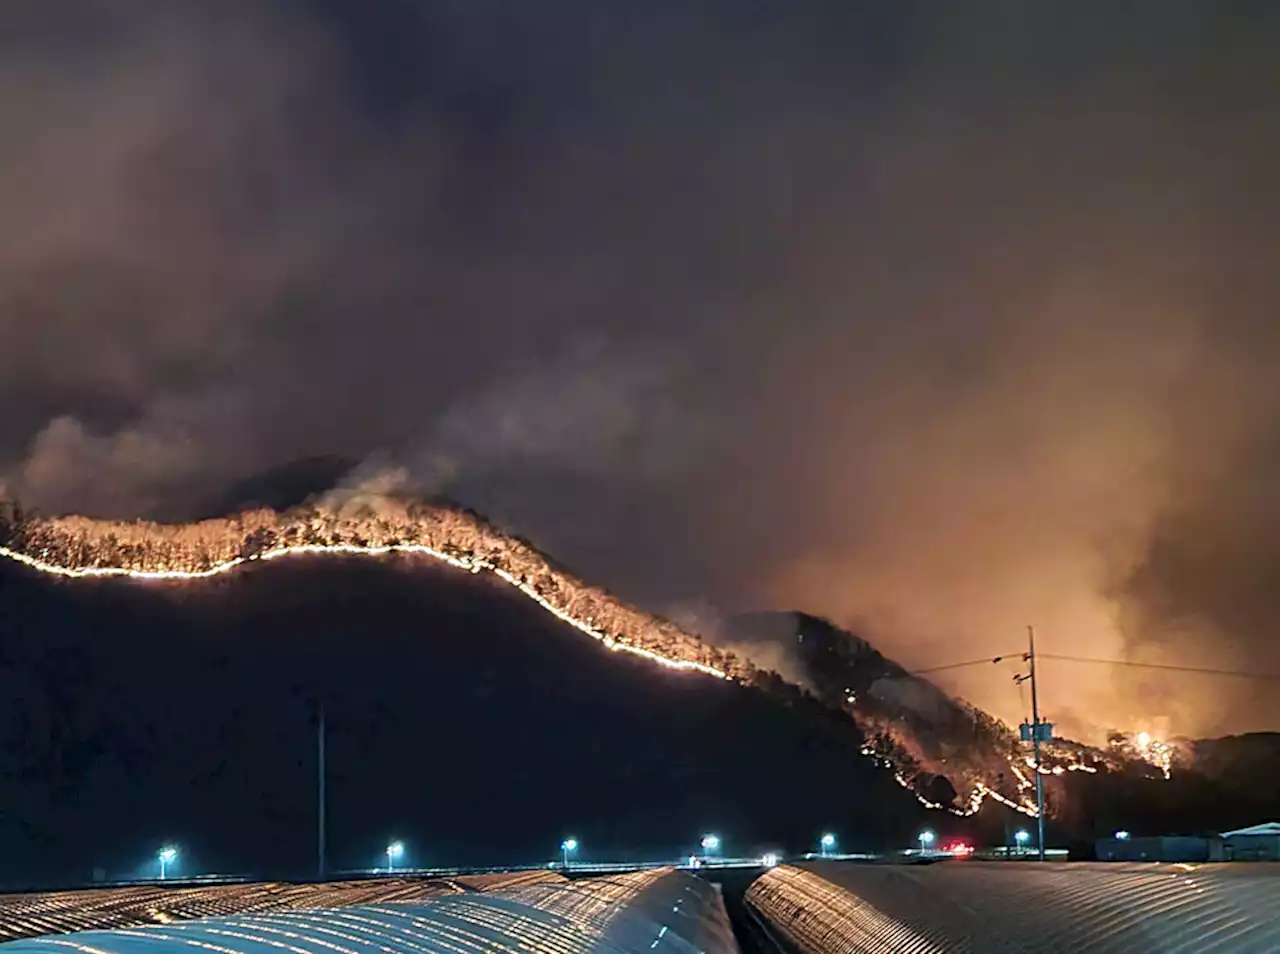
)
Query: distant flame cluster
[
  {"x": 979, "y": 791},
  {"x": 1155, "y": 752},
  {"x": 1010, "y": 782}
]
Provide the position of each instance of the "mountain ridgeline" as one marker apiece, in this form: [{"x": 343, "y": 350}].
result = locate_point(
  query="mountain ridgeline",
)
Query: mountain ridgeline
[{"x": 948, "y": 754}]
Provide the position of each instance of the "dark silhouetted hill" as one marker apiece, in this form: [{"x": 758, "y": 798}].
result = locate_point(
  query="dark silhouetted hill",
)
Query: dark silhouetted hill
[
  {"x": 1215, "y": 785},
  {"x": 470, "y": 721},
  {"x": 464, "y": 719}
]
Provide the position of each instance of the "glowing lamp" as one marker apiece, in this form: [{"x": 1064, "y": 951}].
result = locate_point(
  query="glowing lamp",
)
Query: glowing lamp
[
  {"x": 168, "y": 855},
  {"x": 568, "y": 847},
  {"x": 394, "y": 851}
]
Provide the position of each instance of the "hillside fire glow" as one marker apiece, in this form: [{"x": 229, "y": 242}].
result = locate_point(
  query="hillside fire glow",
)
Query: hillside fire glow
[{"x": 80, "y": 548}]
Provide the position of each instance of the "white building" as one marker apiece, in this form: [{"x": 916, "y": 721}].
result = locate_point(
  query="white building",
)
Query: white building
[{"x": 1256, "y": 843}]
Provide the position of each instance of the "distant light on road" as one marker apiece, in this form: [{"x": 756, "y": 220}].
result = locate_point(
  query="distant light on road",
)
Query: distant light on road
[
  {"x": 1022, "y": 836},
  {"x": 1122, "y": 836},
  {"x": 926, "y": 839},
  {"x": 828, "y": 841},
  {"x": 168, "y": 855},
  {"x": 770, "y": 860},
  {"x": 711, "y": 842}
]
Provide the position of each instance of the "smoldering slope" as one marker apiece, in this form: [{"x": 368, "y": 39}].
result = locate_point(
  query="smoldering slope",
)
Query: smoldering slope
[{"x": 934, "y": 324}]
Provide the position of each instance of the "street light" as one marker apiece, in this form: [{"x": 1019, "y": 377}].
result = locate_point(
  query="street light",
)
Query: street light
[
  {"x": 926, "y": 839},
  {"x": 711, "y": 844},
  {"x": 394, "y": 851},
  {"x": 828, "y": 842},
  {"x": 1022, "y": 836},
  {"x": 168, "y": 855},
  {"x": 1122, "y": 836},
  {"x": 568, "y": 847}
]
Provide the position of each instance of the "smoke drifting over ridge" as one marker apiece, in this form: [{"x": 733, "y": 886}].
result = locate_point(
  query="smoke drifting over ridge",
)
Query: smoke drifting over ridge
[{"x": 934, "y": 324}]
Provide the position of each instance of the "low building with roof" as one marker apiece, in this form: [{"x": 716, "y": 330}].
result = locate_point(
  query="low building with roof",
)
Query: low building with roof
[
  {"x": 1256, "y": 843},
  {"x": 1194, "y": 849}
]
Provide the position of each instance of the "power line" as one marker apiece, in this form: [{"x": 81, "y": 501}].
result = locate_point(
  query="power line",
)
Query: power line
[
  {"x": 1198, "y": 670},
  {"x": 1201, "y": 670},
  {"x": 985, "y": 661}
]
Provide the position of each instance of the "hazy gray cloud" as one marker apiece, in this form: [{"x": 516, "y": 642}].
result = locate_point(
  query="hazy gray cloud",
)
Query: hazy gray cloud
[{"x": 936, "y": 323}]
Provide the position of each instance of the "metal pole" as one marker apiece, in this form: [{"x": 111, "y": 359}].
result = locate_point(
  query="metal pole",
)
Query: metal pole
[
  {"x": 320, "y": 795},
  {"x": 162, "y": 866},
  {"x": 1035, "y": 740}
]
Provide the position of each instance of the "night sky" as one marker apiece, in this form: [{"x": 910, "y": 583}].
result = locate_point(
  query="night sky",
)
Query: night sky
[{"x": 934, "y": 319}]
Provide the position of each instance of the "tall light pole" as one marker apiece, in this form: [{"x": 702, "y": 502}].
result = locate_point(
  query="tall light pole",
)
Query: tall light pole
[
  {"x": 828, "y": 842},
  {"x": 711, "y": 844},
  {"x": 394, "y": 851},
  {"x": 320, "y": 794},
  {"x": 168, "y": 855},
  {"x": 568, "y": 847},
  {"x": 926, "y": 839}
]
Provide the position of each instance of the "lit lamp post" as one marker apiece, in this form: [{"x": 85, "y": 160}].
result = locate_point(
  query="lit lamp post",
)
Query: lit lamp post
[
  {"x": 926, "y": 839},
  {"x": 568, "y": 847},
  {"x": 394, "y": 850},
  {"x": 828, "y": 843},
  {"x": 168, "y": 855},
  {"x": 710, "y": 844},
  {"x": 1022, "y": 836}
]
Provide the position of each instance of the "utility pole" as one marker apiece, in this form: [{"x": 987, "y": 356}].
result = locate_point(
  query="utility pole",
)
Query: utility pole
[
  {"x": 1034, "y": 732},
  {"x": 320, "y": 793},
  {"x": 1035, "y": 739}
]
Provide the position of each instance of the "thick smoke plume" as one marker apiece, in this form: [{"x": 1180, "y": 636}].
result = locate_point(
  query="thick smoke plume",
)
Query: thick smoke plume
[{"x": 935, "y": 323}]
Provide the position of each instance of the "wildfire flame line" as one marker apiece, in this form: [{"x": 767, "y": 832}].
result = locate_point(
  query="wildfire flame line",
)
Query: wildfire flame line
[
  {"x": 472, "y": 565},
  {"x": 79, "y": 548},
  {"x": 973, "y": 804}
]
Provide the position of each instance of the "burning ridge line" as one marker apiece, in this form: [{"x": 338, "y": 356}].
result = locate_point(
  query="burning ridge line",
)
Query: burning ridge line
[
  {"x": 60, "y": 534},
  {"x": 81, "y": 548}
]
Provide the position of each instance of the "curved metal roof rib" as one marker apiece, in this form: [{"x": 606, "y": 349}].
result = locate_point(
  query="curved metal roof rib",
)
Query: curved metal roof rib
[
  {"x": 929, "y": 909},
  {"x": 648, "y": 912},
  {"x": 60, "y": 912}
]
